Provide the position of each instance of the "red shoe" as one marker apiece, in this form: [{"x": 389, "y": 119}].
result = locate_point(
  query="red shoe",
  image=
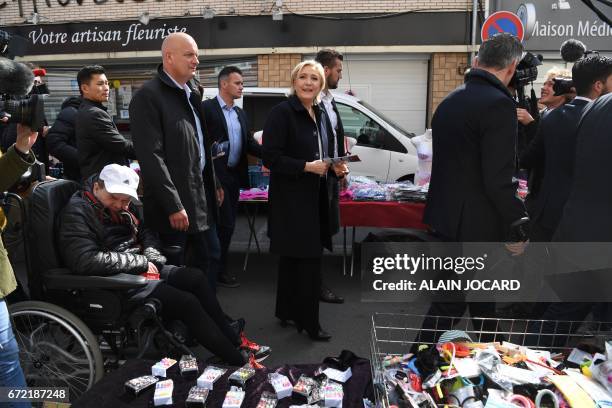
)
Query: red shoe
[
  {"x": 254, "y": 363},
  {"x": 260, "y": 353}
]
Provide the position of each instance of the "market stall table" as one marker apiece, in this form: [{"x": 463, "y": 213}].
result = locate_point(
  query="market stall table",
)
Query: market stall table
[{"x": 378, "y": 214}]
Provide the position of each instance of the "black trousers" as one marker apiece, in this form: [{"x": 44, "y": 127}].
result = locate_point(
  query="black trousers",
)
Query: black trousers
[
  {"x": 297, "y": 291},
  {"x": 187, "y": 296},
  {"x": 194, "y": 249},
  {"x": 227, "y": 216}
]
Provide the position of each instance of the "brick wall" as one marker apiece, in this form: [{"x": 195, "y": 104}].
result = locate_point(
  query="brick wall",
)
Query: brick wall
[
  {"x": 446, "y": 74},
  {"x": 274, "y": 70},
  {"x": 131, "y": 9}
]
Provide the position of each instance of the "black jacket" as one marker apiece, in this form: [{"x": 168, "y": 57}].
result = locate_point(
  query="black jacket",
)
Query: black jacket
[
  {"x": 61, "y": 139},
  {"x": 587, "y": 216},
  {"x": 471, "y": 195},
  {"x": 298, "y": 213},
  {"x": 90, "y": 244},
  {"x": 216, "y": 127},
  {"x": 555, "y": 146},
  {"x": 332, "y": 181},
  {"x": 98, "y": 141},
  {"x": 166, "y": 142}
]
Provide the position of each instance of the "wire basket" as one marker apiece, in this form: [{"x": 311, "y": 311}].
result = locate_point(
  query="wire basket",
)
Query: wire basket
[{"x": 399, "y": 334}]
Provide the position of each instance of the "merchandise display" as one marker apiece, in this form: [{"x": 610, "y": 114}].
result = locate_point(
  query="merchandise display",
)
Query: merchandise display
[
  {"x": 163, "y": 393},
  {"x": 364, "y": 189},
  {"x": 234, "y": 398},
  {"x": 139, "y": 384},
  {"x": 241, "y": 376},
  {"x": 209, "y": 376},
  {"x": 267, "y": 400},
  {"x": 188, "y": 365},
  {"x": 282, "y": 385},
  {"x": 197, "y": 397},
  {"x": 457, "y": 372},
  {"x": 160, "y": 368}
]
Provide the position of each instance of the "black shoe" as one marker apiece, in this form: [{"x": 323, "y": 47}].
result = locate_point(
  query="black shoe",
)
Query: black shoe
[
  {"x": 317, "y": 335},
  {"x": 330, "y": 297},
  {"x": 228, "y": 281}
]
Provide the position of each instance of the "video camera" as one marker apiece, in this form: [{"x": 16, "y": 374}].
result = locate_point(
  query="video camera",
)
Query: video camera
[
  {"x": 526, "y": 72},
  {"x": 16, "y": 82}
]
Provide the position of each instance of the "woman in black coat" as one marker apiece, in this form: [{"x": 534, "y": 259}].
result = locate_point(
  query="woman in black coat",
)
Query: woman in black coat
[{"x": 295, "y": 140}]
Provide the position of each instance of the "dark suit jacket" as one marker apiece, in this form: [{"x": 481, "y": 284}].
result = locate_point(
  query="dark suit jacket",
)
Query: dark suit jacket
[
  {"x": 217, "y": 131},
  {"x": 332, "y": 181},
  {"x": 166, "y": 142},
  {"x": 472, "y": 196},
  {"x": 555, "y": 146},
  {"x": 98, "y": 141},
  {"x": 587, "y": 216}
]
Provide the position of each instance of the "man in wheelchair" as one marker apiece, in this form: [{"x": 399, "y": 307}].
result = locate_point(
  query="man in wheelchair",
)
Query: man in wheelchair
[{"x": 101, "y": 234}]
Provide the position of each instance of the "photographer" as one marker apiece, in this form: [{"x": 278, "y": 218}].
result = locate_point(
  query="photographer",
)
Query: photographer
[
  {"x": 12, "y": 165},
  {"x": 550, "y": 101},
  {"x": 555, "y": 145}
]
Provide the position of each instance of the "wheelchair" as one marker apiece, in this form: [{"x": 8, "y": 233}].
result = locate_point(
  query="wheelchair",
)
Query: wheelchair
[{"x": 69, "y": 321}]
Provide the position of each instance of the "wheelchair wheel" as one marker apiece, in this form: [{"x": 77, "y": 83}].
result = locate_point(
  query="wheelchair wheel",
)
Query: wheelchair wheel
[{"x": 56, "y": 349}]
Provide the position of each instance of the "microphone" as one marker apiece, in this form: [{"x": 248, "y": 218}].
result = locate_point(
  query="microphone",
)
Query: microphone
[
  {"x": 15, "y": 78},
  {"x": 572, "y": 50}
]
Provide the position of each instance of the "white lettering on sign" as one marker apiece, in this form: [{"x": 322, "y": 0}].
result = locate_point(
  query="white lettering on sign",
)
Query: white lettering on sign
[
  {"x": 585, "y": 28},
  {"x": 135, "y": 32}
]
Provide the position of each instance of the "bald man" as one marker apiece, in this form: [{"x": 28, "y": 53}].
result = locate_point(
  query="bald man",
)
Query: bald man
[{"x": 171, "y": 146}]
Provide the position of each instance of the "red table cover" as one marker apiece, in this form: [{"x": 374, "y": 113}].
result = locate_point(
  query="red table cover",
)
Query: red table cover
[{"x": 382, "y": 214}]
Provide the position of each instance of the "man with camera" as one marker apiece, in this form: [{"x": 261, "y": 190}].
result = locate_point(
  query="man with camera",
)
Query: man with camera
[
  {"x": 12, "y": 165},
  {"x": 555, "y": 144}
]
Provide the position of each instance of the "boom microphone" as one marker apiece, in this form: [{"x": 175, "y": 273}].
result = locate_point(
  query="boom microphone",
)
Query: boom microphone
[
  {"x": 15, "y": 78},
  {"x": 572, "y": 50}
]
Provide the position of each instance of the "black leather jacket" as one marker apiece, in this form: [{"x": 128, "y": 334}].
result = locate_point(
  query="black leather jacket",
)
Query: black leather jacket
[{"x": 91, "y": 244}]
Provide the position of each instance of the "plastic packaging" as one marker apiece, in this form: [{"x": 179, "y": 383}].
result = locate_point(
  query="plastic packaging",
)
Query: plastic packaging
[
  {"x": 160, "y": 368},
  {"x": 139, "y": 384},
  {"x": 209, "y": 376},
  {"x": 234, "y": 398},
  {"x": 188, "y": 365},
  {"x": 241, "y": 376},
  {"x": 267, "y": 400},
  {"x": 197, "y": 397},
  {"x": 282, "y": 385},
  {"x": 163, "y": 393}
]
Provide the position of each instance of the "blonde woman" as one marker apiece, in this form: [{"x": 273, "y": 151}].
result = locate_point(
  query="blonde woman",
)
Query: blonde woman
[{"x": 295, "y": 142}]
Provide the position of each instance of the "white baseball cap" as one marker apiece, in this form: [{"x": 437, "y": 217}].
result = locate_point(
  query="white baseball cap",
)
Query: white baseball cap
[{"x": 120, "y": 180}]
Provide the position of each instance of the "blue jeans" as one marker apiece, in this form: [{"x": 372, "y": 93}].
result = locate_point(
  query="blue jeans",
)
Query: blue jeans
[{"x": 10, "y": 370}]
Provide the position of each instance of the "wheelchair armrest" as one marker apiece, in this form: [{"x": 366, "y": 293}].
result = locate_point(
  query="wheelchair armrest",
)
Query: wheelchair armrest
[{"x": 62, "y": 278}]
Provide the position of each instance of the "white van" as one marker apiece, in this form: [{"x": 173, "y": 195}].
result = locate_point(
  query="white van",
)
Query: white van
[{"x": 385, "y": 149}]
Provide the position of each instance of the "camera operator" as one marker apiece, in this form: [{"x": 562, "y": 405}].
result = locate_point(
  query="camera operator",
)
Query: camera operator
[
  {"x": 555, "y": 144},
  {"x": 9, "y": 136},
  {"x": 13, "y": 164}
]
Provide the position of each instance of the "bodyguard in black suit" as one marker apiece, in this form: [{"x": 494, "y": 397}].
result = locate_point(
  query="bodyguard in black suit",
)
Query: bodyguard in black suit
[
  {"x": 331, "y": 60},
  {"x": 472, "y": 197},
  {"x": 227, "y": 127}
]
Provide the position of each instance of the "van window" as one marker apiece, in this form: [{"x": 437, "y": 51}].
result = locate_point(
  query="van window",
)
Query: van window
[{"x": 367, "y": 131}]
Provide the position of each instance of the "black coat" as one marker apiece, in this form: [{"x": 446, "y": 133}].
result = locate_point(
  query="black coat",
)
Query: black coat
[
  {"x": 92, "y": 245},
  {"x": 61, "y": 139},
  {"x": 555, "y": 146},
  {"x": 98, "y": 141},
  {"x": 216, "y": 128},
  {"x": 166, "y": 142},
  {"x": 333, "y": 190},
  {"x": 587, "y": 216},
  {"x": 471, "y": 195},
  {"x": 298, "y": 213}
]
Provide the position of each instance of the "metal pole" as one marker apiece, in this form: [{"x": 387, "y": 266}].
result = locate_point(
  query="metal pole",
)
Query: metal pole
[{"x": 474, "y": 24}]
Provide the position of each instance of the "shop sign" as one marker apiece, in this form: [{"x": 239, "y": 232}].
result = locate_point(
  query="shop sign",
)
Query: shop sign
[{"x": 554, "y": 24}]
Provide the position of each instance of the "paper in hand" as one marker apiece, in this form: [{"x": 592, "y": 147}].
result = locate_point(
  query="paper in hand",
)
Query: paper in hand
[{"x": 350, "y": 159}]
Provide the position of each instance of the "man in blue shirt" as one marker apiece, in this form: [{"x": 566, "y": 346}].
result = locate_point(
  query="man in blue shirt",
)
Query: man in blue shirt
[{"x": 227, "y": 126}]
